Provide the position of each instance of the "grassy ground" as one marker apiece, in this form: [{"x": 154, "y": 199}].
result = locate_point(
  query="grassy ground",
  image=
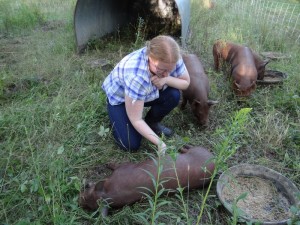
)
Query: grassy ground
[{"x": 54, "y": 130}]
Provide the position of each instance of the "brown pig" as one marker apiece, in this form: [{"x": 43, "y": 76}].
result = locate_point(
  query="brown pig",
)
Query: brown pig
[
  {"x": 130, "y": 181},
  {"x": 246, "y": 66},
  {"x": 197, "y": 92}
]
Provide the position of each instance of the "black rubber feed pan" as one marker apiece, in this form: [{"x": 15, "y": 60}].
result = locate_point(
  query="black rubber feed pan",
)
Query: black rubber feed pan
[
  {"x": 275, "y": 55},
  {"x": 265, "y": 196},
  {"x": 272, "y": 77}
]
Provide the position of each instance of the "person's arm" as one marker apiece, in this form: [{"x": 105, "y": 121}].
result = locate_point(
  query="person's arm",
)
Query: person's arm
[
  {"x": 134, "y": 109},
  {"x": 180, "y": 83}
]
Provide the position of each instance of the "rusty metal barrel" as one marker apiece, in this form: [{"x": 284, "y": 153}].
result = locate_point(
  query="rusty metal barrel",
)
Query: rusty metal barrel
[{"x": 95, "y": 18}]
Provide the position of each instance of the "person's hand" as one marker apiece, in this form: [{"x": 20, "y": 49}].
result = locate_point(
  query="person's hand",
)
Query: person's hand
[
  {"x": 159, "y": 82},
  {"x": 162, "y": 147}
]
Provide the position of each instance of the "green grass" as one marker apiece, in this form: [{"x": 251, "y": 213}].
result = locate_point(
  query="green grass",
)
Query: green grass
[{"x": 54, "y": 132}]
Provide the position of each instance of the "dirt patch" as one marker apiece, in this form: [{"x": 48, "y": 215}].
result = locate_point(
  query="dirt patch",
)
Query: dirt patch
[
  {"x": 104, "y": 64},
  {"x": 24, "y": 84},
  {"x": 52, "y": 25},
  {"x": 263, "y": 201},
  {"x": 9, "y": 50}
]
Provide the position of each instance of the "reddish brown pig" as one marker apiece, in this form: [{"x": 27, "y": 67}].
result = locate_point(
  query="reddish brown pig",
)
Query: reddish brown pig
[
  {"x": 246, "y": 66},
  {"x": 129, "y": 181},
  {"x": 197, "y": 92}
]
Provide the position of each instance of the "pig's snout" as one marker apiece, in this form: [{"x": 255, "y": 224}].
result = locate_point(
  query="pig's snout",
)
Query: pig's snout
[{"x": 88, "y": 185}]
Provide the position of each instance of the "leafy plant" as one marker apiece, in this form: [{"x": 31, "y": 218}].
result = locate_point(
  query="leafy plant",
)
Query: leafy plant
[
  {"x": 227, "y": 146},
  {"x": 103, "y": 131},
  {"x": 295, "y": 209},
  {"x": 236, "y": 211},
  {"x": 140, "y": 34},
  {"x": 152, "y": 214}
]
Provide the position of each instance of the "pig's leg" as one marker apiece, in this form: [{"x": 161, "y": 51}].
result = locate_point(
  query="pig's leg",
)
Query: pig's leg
[
  {"x": 183, "y": 104},
  {"x": 216, "y": 56}
]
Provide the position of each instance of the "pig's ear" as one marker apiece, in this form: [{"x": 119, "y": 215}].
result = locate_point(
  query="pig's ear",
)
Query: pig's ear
[
  {"x": 100, "y": 185},
  {"x": 211, "y": 102},
  {"x": 196, "y": 102}
]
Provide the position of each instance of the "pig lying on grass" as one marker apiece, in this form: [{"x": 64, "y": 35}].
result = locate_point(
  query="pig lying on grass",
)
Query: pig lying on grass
[{"x": 130, "y": 181}]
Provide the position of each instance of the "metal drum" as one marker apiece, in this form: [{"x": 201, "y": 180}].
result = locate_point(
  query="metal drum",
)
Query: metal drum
[{"x": 96, "y": 18}]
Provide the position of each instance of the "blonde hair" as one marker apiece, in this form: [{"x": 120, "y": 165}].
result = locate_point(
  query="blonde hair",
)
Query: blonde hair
[{"x": 163, "y": 48}]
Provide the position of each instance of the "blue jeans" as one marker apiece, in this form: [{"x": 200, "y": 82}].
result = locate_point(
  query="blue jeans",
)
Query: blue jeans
[{"x": 124, "y": 133}]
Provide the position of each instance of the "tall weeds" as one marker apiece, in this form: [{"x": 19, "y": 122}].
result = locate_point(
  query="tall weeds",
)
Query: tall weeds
[
  {"x": 19, "y": 16},
  {"x": 226, "y": 147},
  {"x": 152, "y": 214}
]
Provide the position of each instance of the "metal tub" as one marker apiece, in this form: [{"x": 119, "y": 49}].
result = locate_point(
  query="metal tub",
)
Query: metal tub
[{"x": 96, "y": 18}]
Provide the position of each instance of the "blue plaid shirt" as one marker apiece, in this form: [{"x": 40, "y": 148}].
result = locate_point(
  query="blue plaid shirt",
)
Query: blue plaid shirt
[{"x": 131, "y": 76}]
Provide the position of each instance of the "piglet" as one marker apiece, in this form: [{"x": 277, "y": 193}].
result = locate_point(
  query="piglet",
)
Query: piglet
[
  {"x": 197, "y": 92},
  {"x": 246, "y": 66},
  {"x": 130, "y": 181}
]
